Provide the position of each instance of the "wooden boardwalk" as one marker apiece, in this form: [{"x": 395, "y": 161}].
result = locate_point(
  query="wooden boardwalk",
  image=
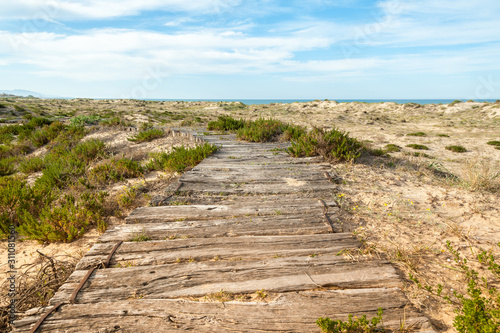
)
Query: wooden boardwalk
[{"x": 248, "y": 243}]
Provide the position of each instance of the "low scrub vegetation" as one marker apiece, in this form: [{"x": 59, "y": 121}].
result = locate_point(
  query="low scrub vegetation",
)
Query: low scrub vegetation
[
  {"x": 233, "y": 106},
  {"x": 83, "y": 120},
  {"x": 47, "y": 210},
  {"x": 260, "y": 130},
  {"x": 65, "y": 199},
  {"x": 147, "y": 135},
  {"x": 416, "y": 134},
  {"x": 477, "y": 310},
  {"x": 181, "y": 158},
  {"x": 361, "y": 325},
  {"x": 417, "y": 146},
  {"x": 392, "y": 148},
  {"x": 456, "y": 149},
  {"x": 333, "y": 144},
  {"x": 226, "y": 123},
  {"x": 494, "y": 143},
  {"x": 115, "y": 170}
]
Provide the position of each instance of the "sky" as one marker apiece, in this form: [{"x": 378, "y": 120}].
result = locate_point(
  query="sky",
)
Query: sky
[{"x": 252, "y": 49}]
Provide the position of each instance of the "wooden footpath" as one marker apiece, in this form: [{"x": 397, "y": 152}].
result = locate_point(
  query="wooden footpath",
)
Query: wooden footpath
[{"x": 248, "y": 241}]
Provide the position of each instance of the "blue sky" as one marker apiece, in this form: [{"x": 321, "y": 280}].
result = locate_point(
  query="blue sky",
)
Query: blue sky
[{"x": 241, "y": 49}]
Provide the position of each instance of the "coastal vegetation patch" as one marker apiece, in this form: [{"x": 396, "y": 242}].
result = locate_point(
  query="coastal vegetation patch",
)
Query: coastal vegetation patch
[
  {"x": 456, "y": 148},
  {"x": 416, "y": 134},
  {"x": 417, "y": 146}
]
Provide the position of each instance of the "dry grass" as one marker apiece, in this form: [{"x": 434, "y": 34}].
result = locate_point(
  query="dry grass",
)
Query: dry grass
[
  {"x": 36, "y": 285},
  {"x": 479, "y": 173}
]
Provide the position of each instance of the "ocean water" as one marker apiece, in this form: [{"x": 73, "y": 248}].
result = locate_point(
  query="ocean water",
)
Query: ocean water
[{"x": 287, "y": 101}]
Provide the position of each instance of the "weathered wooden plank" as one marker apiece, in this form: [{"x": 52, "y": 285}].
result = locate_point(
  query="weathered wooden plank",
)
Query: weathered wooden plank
[
  {"x": 289, "y": 186},
  {"x": 250, "y": 208},
  {"x": 271, "y": 160},
  {"x": 169, "y": 251},
  {"x": 237, "y": 276},
  {"x": 253, "y": 200},
  {"x": 225, "y": 167},
  {"x": 274, "y": 176},
  {"x": 243, "y": 226},
  {"x": 294, "y": 312}
]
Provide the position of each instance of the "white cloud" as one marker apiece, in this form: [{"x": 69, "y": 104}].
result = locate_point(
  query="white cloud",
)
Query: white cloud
[
  {"x": 101, "y": 9},
  {"x": 115, "y": 54},
  {"x": 436, "y": 22},
  {"x": 179, "y": 21}
]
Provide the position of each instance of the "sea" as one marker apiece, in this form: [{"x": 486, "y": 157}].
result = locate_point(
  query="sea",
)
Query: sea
[{"x": 288, "y": 101}]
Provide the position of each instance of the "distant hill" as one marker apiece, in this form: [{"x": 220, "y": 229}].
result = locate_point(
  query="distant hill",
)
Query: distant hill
[{"x": 24, "y": 93}]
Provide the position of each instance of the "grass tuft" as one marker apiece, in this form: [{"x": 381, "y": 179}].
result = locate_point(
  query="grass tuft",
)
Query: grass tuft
[
  {"x": 392, "y": 148},
  {"x": 416, "y": 134},
  {"x": 226, "y": 123},
  {"x": 456, "y": 149},
  {"x": 480, "y": 174},
  {"x": 333, "y": 145},
  {"x": 181, "y": 158},
  {"x": 116, "y": 170},
  {"x": 417, "y": 146},
  {"x": 261, "y": 130},
  {"x": 147, "y": 135}
]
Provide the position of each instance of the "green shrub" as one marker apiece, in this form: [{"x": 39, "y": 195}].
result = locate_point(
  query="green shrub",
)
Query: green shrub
[
  {"x": 233, "y": 106},
  {"x": 19, "y": 108},
  {"x": 59, "y": 172},
  {"x": 261, "y": 130},
  {"x": 89, "y": 150},
  {"x": 127, "y": 197},
  {"x": 416, "y": 146},
  {"x": 455, "y": 102},
  {"x": 226, "y": 123},
  {"x": 417, "y": 154},
  {"x": 16, "y": 197},
  {"x": 11, "y": 129},
  {"x": 32, "y": 165},
  {"x": 142, "y": 237},
  {"x": 6, "y": 138},
  {"x": 71, "y": 136},
  {"x": 62, "y": 223},
  {"x": 35, "y": 122},
  {"x": 360, "y": 325},
  {"x": 7, "y": 166},
  {"x": 493, "y": 143},
  {"x": 46, "y": 134},
  {"x": 479, "y": 310},
  {"x": 3, "y": 106},
  {"x": 416, "y": 134},
  {"x": 181, "y": 158},
  {"x": 377, "y": 152},
  {"x": 116, "y": 170},
  {"x": 333, "y": 145},
  {"x": 392, "y": 148},
  {"x": 147, "y": 135},
  {"x": 443, "y": 135},
  {"x": 456, "y": 149},
  {"x": 83, "y": 120},
  {"x": 293, "y": 132},
  {"x": 305, "y": 145},
  {"x": 115, "y": 122}
]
